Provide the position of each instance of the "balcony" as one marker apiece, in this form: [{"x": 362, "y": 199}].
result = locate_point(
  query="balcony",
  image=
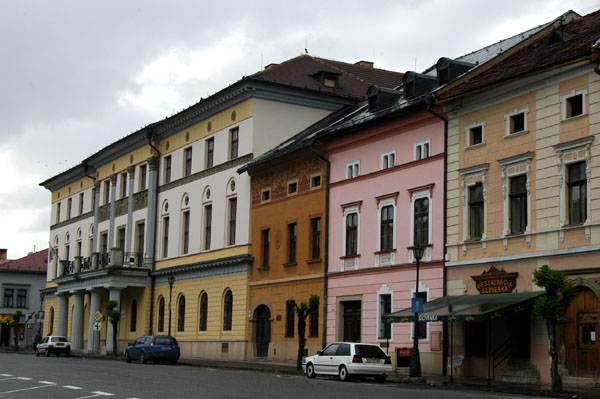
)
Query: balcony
[{"x": 115, "y": 258}]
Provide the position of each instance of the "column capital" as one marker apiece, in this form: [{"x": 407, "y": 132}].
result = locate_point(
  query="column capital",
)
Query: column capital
[
  {"x": 131, "y": 171},
  {"x": 153, "y": 163},
  {"x": 113, "y": 179},
  {"x": 97, "y": 184}
]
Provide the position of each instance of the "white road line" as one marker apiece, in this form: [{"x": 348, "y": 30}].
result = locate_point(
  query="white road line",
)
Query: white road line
[
  {"x": 27, "y": 389},
  {"x": 96, "y": 394},
  {"x": 9, "y": 378},
  {"x": 24, "y": 378},
  {"x": 71, "y": 387},
  {"x": 47, "y": 382},
  {"x": 6, "y": 375}
]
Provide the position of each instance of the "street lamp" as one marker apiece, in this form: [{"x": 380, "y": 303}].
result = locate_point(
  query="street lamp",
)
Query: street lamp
[
  {"x": 415, "y": 359},
  {"x": 171, "y": 280}
]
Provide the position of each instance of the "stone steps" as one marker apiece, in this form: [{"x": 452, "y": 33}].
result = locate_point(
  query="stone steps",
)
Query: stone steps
[{"x": 519, "y": 372}]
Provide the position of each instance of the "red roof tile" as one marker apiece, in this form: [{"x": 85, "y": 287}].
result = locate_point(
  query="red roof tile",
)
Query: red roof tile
[{"x": 35, "y": 262}]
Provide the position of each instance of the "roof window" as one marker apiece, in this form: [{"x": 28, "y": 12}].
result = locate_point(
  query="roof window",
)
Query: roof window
[
  {"x": 327, "y": 79},
  {"x": 417, "y": 84},
  {"x": 381, "y": 97},
  {"x": 448, "y": 69}
]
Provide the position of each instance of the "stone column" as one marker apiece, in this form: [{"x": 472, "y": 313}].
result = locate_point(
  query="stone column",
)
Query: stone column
[
  {"x": 153, "y": 163},
  {"x": 78, "y": 261},
  {"x": 93, "y": 343},
  {"x": 113, "y": 196},
  {"x": 114, "y": 295},
  {"x": 63, "y": 314},
  {"x": 130, "y": 227},
  {"x": 96, "y": 210},
  {"x": 77, "y": 327}
]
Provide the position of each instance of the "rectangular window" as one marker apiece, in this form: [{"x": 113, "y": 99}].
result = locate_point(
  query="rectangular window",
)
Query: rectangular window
[
  {"x": 421, "y": 219},
  {"x": 121, "y": 238},
  {"x": 352, "y": 170},
  {"x": 385, "y": 307},
  {"x": 167, "y": 169},
  {"x": 266, "y": 246},
  {"x": 80, "y": 204},
  {"x": 421, "y": 150},
  {"x": 143, "y": 171},
  {"x": 69, "y": 203},
  {"x": 386, "y": 231},
  {"x": 233, "y": 143},
  {"x": 123, "y": 185},
  {"x": 292, "y": 231},
  {"x": 518, "y": 204},
  {"x": 517, "y": 123},
  {"x": 574, "y": 105},
  {"x": 140, "y": 238},
  {"x": 265, "y": 196},
  {"x": 388, "y": 160},
  {"x": 577, "y": 192},
  {"x": 476, "y": 135},
  {"x": 21, "y": 298},
  {"x": 187, "y": 170},
  {"x": 476, "y": 211},
  {"x": 210, "y": 151},
  {"x": 315, "y": 224},
  {"x": 165, "y": 237},
  {"x": 314, "y": 323},
  {"x": 290, "y": 310},
  {"x": 352, "y": 234},
  {"x": 207, "y": 226},
  {"x": 106, "y": 192},
  {"x": 104, "y": 242},
  {"x": 232, "y": 220},
  {"x": 9, "y": 294},
  {"x": 57, "y": 212},
  {"x": 315, "y": 181},
  {"x": 67, "y": 252},
  {"x": 186, "y": 232},
  {"x": 292, "y": 187},
  {"x": 78, "y": 248}
]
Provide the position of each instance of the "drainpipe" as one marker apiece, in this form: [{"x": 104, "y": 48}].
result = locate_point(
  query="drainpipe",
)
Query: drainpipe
[
  {"x": 152, "y": 278},
  {"x": 85, "y": 171},
  {"x": 596, "y": 56},
  {"x": 429, "y": 101},
  {"x": 326, "y": 248}
]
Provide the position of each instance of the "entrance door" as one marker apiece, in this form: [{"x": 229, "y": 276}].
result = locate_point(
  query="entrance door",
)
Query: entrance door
[
  {"x": 5, "y": 335},
  {"x": 263, "y": 331},
  {"x": 351, "y": 321},
  {"x": 583, "y": 326}
]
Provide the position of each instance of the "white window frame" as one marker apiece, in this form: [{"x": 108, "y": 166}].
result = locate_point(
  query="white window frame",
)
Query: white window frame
[
  {"x": 319, "y": 174},
  {"x": 422, "y": 288},
  {"x": 185, "y": 208},
  {"x": 265, "y": 190},
  {"x": 468, "y": 133},
  {"x": 289, "y": 183},
  {"x": 383, "y": 203},
  {"x": 421, "y": 144},
  {"x": 347, "y": 211},
  {"x": 384, "y": 290},
  {"x": 355, "y": 165},
  {"x": 563, "y": 103},
  {"x": 387, "y": 155},
  {"x": 516, "y": 111},
  {"x": 471, "y": 176},
  {"x": 512, "y": 167},
  {"x": 425, "y": 193}
]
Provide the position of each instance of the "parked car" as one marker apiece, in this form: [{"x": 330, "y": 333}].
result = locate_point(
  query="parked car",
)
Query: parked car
[
  {"x": 153, "y": 348},
  {"x": 53, "y": 344},
  {"x": 346, "y": 359}
]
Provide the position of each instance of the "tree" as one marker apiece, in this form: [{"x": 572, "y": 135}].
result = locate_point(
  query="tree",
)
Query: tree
[
  {"x": 114, "y": 315},
  {"x": 304, "y": 310},
  {"x": 559, "y": 291},
  {"x": 15, "y": 325}
]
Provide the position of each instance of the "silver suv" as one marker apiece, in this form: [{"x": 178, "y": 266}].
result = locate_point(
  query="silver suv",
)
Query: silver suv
[{"x": 53, "y": 344}]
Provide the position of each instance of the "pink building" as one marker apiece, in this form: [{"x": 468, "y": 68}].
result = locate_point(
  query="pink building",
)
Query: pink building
[{"x": 386, "y": 194}]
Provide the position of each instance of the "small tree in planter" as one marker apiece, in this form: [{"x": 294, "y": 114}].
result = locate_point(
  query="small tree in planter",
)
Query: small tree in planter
[
  {"x": 304, "y": 310},
  {"x": 15, "y": 325},
  {"x": 559, "y": 291},
  {"x": 114, "y": 316}
]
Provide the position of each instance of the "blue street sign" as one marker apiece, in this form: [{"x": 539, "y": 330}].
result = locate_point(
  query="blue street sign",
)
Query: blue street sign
[{"x": 416, "y": 305}]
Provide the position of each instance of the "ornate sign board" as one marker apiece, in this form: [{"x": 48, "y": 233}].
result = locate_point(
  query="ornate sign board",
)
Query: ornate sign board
[{"x": 495, "y": 281}]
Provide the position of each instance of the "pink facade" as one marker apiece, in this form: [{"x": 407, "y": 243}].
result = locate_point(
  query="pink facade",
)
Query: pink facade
[{"x": 378, "y": 270}]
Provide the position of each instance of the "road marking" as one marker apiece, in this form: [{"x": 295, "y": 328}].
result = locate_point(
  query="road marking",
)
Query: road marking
[
  {"x": 27, "y": 389},
  {"x": 96, "y": 394},
  {"x": 24, "y": 378},
  {"x": 71, "y": 387},
  {"x": 47, "y": 382},
  {"x": 6, "y": 375},
  {"x": 9, "y": 378}
]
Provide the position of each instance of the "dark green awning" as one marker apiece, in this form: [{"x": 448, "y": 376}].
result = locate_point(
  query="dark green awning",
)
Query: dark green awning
[{"x": 473, "y": 308}]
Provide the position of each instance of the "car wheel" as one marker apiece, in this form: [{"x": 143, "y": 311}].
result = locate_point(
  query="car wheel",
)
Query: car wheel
[
  {"x": 310, "y": 370},
  {"x": 47, "y": 353},
  {"x": 143, "y": 358},
  {"x": 343, "y": 373},
  {"x": 127, "y": 358},
  {"x": 381, "y": 378},
  {"x": 173, "y": 362}
]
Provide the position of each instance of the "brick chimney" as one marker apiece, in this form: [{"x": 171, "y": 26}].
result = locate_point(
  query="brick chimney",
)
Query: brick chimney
[
  {"x": 366, "y": 64},
  {"x": 3, "y": 253}
]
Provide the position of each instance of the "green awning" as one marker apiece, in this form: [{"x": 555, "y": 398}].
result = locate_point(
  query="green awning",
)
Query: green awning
[{"x": 473, "y": 308}]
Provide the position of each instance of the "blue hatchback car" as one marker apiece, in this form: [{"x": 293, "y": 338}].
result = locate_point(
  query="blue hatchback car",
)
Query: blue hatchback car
[{"x": 154, "y": 348}]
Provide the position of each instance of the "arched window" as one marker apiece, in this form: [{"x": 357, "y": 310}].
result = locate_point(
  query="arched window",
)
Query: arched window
[
  {"x": 181, "y": 314},
  {"x": 51, "y": 329},
  {"x": 227, "y": 310},
  {"x": 161, "y": 314},
  {"x": 133, "y": 320},
  {"x": 203, "y": 311}
]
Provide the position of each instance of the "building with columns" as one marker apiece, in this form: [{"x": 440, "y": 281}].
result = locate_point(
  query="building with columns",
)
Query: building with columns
[{"x": 160, "y": 220}]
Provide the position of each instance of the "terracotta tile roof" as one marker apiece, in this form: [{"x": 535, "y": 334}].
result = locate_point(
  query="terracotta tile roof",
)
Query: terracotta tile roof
[
  {"x": 353, "y": 80},
  {"x": 544, "y": 53},
  {"x": 35, "y": 262}
]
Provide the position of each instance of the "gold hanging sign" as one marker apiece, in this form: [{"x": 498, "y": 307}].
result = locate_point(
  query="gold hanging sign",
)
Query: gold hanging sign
[{"x": 495, "y": 281}]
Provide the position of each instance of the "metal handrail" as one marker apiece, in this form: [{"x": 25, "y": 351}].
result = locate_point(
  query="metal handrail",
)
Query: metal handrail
[
  {"x": 104, "y": 260},
  {"x": 500, "y": 354},
  {"x": 86, "y": 264}
]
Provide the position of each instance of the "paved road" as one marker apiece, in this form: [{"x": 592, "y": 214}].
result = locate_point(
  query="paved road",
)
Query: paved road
[{"x": 27, "y": 376}]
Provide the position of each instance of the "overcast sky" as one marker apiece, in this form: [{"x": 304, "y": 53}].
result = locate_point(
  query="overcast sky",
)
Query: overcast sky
[{"x": 77, "y": 75}]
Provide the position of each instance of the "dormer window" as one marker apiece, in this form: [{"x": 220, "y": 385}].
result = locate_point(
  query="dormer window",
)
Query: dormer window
[
  {"x": 327, "y": 79},
  {"x": 330, "y": 82},
  {"x": 449, "y": 69},
  {"x": 417, "y": 84},
  {"x": 409, "y": 89}
]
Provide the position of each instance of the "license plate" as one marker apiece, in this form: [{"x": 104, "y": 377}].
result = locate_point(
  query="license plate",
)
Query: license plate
[
  {"x": 373, "y": 361},
  {"x": 60, "y": 344},
  {"x": 166, "y": 348}
]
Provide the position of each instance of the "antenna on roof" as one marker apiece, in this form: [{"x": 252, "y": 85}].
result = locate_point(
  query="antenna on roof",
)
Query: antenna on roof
[
  {"x": 305, "y": 46},
  {"x": 261, "y": 62}
]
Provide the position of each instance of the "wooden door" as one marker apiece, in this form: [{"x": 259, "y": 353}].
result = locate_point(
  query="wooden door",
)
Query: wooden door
[
  {"x": 263, "y": 331},
  {"x": 351, "y": 321},
  {"x": 583, "y": 326}
]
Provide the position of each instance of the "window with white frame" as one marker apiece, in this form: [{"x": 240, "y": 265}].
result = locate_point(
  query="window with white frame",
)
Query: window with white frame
[
  {"x": 516, "y": 121},
  {"x": 473, "y": 191},
  {"x": 422, "y": 150},
  {"x": 351, "y": 232},
  {"x": 316, "y": 181},
  {"x": 475, "y": 133},
  {"x": 387, "y": 224},
  {"x": 388, "y": 159},
  {"x": 573, "y": 103},
  {"x": 352, "y": 170},
  {"x": 420, "y": 217},
  {"x": 265, "y": 195},
  {"x": 292, "y": 187},
  {"x": 384, "y": 306},
  {"x": 516, "y": 193}
]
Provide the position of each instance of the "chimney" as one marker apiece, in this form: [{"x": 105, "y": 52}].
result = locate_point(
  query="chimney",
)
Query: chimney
[
  {"x": 271, "y": 65},
  {"x": 3, "y": 253},
  {"x": 366, "y": 64}
]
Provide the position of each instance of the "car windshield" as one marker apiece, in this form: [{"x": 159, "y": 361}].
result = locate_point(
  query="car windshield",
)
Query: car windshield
[
  {"x": 165, "y": 341},
  {"x": 370, "y": 351},
  {"x": 59, "y": 339}
]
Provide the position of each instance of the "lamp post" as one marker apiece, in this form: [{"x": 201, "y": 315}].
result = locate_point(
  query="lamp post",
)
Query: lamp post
[
  {"x": 415, "y": 359},
  {"x": 171, "y": 280}
]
